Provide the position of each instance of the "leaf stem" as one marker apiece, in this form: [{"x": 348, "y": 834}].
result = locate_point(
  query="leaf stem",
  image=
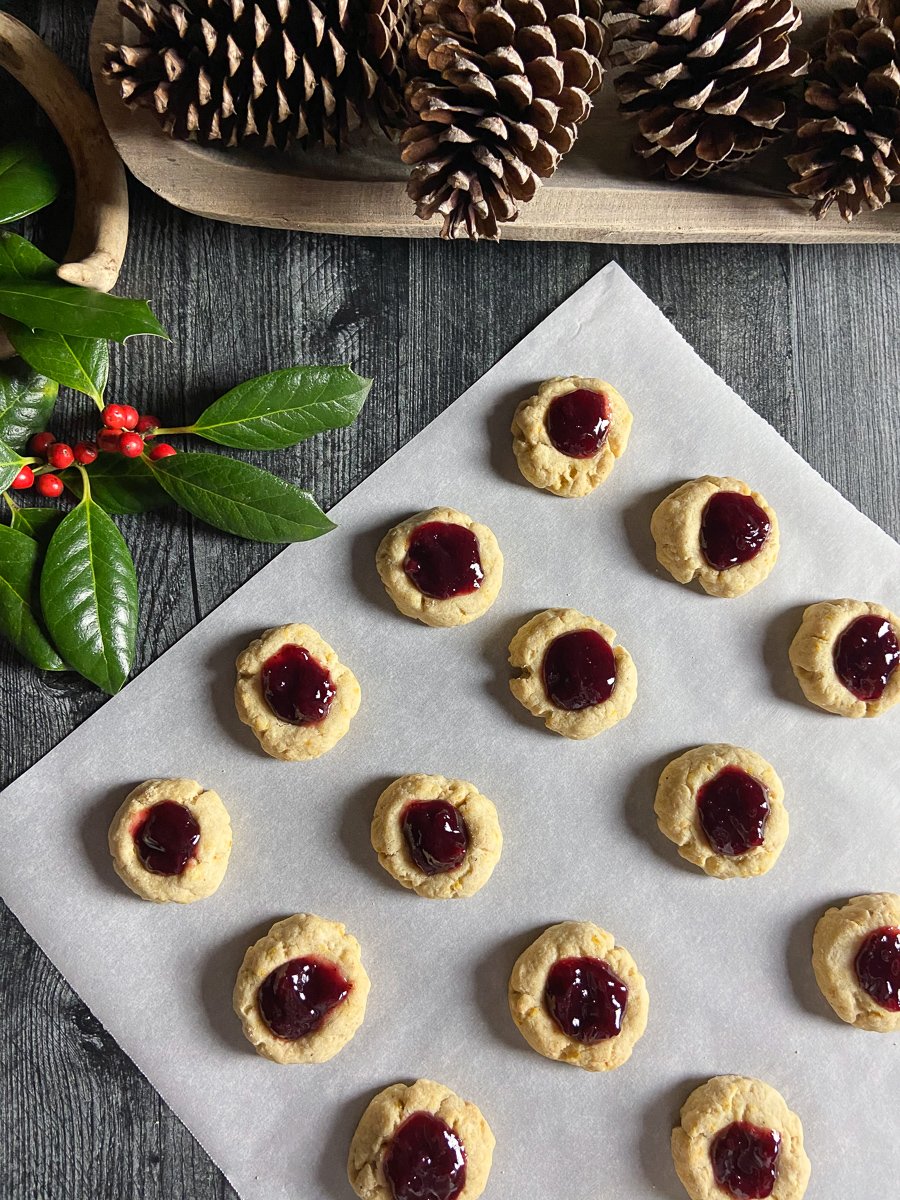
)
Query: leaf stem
[
  {"x": 86, "y": 483},
  {"x": 174, "y": 429}
]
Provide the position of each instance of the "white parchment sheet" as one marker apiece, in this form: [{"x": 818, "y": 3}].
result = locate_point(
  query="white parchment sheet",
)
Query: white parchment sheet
[{"x": 726, "y": 962}]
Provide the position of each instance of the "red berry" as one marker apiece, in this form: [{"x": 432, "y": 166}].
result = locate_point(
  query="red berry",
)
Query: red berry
[
  {"x": 146, "y": 423},
  {"x": 24, "y": 479},
  {"x": 131, "y": 445},
  {"x": 41, "y": 442},
  {"x": 49, "y": 485},
  {"x": 108, "y": 440},
  {"x": 60, "y": 456},
  {"x": 129, "y": 416},
  {"x": 85, "y": 453},
  {"x": 162, "y": 450},
  {"x": 114, "y": 416}
]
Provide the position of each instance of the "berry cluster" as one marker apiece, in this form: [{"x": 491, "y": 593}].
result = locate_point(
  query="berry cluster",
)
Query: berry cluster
[{"x": 124, "y": 432}]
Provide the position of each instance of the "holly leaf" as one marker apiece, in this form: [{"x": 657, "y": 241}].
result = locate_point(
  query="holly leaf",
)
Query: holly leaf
[
  {"x": 119, "y": 485},
  {"x": 19, "y": 572},
  {"x": 37, "y": 523},
  {"x": 75, "y": 362},
  {"x": 27, "y": 181},
  {"x": 240, "y": 498},
  {"x": 20, "y": 259},
  {"x": 89, "y": 596},
  {"x": 10, "y": 465},
  {"x": 83, "y": 312},
  {"x": 279, "y": 410},
  {"x": 27, "y": 400}
]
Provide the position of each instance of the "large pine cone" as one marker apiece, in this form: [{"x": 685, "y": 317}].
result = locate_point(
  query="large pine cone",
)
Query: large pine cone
[
  {"x": 272, "y": 71},
  {"x": 497, "y": 90},
  {"x": 709, "y": 83},
  {"x": 850, "y": 125}
]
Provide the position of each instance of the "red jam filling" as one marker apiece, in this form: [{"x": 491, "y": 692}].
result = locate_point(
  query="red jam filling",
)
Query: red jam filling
[
  {"x": 585, "y": 999},
  {"x": 425, "y": 1160},
  {"x": 878, "y": 967},
  {"x": 733, "y": 529},
  {"x": 579, "y": 670},
  {"x": 298, "y": 689},
  {"x": 443, "y": 560},
  {"x": 733, "y": 808},
  {"x": 166, "y": 838},
  {"x": 296, "y": 997},
  {"x": 577, "y": 423},
  {"x": 866, "y": 655},
  {"x": 436, "y": 835},
  {"x": 745, "y": 1160}
]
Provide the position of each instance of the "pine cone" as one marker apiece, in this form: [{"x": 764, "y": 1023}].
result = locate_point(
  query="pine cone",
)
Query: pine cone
[
  {"x": 272, "y": 71},
  {"x": 497, "y": 90},
  {"x": 709, "y": 82},
  {"x": 850, "y": 125}
]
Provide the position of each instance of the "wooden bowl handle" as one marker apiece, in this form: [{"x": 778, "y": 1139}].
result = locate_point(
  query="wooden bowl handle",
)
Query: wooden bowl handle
[{"x": 100, "y": 223}]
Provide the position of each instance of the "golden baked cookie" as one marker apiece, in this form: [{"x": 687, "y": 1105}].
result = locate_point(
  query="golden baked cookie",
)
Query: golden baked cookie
[
  {"x": 171, "y": 840},
  {"x": 578, "y": 998},
  {"x": 572, "y": 676},
  {"x": 856, "y": 958},
  {"x": 301, "y": 991},
  {"x": 440, "y": 837},
  {"x": 567, "y": 438},
  {"x": 846, "y": 656},
  {"x": 441, "y": 567},
  {"x": 737, "y": 1137},
  {"x": 295, "y": 693},
  {"x": 411, "y": 1134},
  {"x": 716, "y": 530},
  {"x": 723, "y": 807}
]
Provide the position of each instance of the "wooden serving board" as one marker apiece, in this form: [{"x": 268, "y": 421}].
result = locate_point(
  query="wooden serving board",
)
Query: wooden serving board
[{"x": 363, "y": 193}]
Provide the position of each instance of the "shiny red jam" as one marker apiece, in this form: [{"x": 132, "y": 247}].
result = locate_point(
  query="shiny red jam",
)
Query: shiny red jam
[
  {"x": 866, "y": 655},
  {"x": 436, "y": 835},
  {"x": 166, "y": 838},
  {"x": 733, "y": 529},
  {"x": 297, "y": 688},
  {"x": 296, "y": 997},
  {"x": 579, "y": 670},
  {"x": 425, "y": 1160},
  {"x": 578, "y": 423},
  {"x": 443, "y": 560},
  {"x": 585, "y": 999},
  {"x": 745, "y": 1160},
  {"x": 733, "y": 808},
  {"x": 878, "y": 967}
]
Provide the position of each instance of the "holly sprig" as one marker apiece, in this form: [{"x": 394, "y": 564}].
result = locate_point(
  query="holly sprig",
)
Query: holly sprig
[{"x": 68, "y": 587}]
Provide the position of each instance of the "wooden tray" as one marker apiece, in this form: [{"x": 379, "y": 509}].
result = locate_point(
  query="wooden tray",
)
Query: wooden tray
[{"x": 365, "y": 193}]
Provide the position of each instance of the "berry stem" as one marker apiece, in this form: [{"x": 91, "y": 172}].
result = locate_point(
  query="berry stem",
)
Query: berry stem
[{"x": 13, "y": 507}]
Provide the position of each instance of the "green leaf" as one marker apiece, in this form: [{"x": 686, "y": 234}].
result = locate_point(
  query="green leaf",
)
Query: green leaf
[
  {"x": 89, "y": 596},
  {"x": 240, "y": 498},
  {"x": 65, "y": 308},
  {"x": 27, "y": 181},
  {"x": 281, "y": 409},
  {"x": 119, "y": 485},
  {"x": 18, "y": 592},
  {"x": 19, "y": 259},
  {"x": 26, "y": 402},
  {"x": 10, "y": 465},
  {"x": 75, "y": 362},
  {"x": 37, "y": 523}
]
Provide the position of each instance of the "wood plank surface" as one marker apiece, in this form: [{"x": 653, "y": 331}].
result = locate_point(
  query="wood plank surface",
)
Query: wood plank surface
[{"x": 808, "y": 335}]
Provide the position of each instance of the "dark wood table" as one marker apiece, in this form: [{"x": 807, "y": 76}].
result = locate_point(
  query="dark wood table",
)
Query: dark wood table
[{"x": 808, "y": 336}]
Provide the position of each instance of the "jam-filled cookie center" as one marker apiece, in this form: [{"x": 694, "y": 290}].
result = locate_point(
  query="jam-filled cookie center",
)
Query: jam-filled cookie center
[
  {"x": 585, "y": 999},
  {"x": 425, "y": 1160},
  {"x": 733, "y": 808},
  {"x": 866, "y": 655},
  {"x": 166, "y": 837},
  {"x": 436, "y": 835},
  {"x": 733, "y": 529},
  {"x": 579, "y": 670},
  {"x": 578, "y": 423},
  {"x": 443, "y": 560},
  {"x": 295, "y": 998},
  {"x": 878, "y": 967},
  {"x": 297, "y": 688},
  {"x": 745, "y": 1160}
]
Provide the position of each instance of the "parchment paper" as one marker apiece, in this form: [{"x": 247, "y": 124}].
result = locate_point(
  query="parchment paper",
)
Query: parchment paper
[{"x": 727, "y": 962}]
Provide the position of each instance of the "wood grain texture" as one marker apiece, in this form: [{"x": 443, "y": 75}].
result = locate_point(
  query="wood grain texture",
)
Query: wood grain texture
[{"x": 807, "y": 335}]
